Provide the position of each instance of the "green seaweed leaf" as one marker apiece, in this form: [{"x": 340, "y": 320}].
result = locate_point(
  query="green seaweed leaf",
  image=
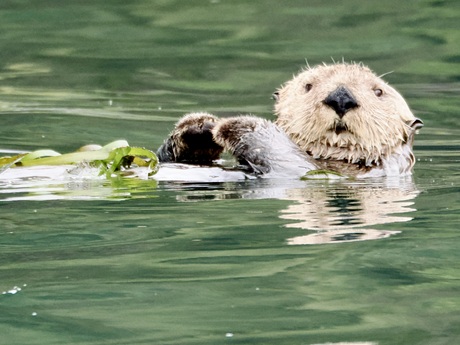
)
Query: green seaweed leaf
[
  {"x": 322, "y": 174},
  {"x": 123, "y": 157},
  {"x": 111, "y": 158}
]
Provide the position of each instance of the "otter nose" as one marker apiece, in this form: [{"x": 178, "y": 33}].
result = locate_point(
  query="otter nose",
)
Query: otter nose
[{"x": 341, "y": 100}]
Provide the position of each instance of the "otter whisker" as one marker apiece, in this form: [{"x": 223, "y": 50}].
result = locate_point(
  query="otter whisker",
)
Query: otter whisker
[{"x": 384, "y": 74}]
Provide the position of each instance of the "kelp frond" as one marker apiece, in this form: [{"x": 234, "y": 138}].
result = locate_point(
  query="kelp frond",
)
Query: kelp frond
[{"x": 111, "y": 158}]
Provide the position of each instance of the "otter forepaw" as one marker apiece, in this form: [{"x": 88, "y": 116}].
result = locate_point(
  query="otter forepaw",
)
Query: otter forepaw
[
  {"x": 243, "y": 138},
  {"x": 261, "y": 146},
  {"x": 191, "y": 141}
]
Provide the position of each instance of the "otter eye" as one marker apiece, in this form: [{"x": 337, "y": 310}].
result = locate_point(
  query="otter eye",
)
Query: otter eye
[
  {"x": 378, "y": 92},
  {"x": 308, "y": 87}
]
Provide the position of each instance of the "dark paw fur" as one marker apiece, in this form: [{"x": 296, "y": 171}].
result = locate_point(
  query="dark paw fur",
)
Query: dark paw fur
[
  {"x": 241, "y": 137},
  {"x": 191, "y": 141},
  {"x": 262, "y": 146}
]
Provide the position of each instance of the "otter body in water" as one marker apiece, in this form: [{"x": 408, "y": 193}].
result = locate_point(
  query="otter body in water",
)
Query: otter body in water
[{"x": 339, "y": 117}]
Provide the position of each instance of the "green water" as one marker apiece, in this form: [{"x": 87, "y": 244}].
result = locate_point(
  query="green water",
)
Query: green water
[{"x": 140, "y": 262}]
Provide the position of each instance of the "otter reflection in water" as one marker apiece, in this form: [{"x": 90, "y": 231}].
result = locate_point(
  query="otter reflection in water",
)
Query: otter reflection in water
[
  {"x": 330, "y": 211},
  {"x": 348, "y": 212}
]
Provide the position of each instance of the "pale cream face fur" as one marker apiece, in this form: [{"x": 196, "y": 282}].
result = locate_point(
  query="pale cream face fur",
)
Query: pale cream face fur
[{"x": 372, "y": 131}]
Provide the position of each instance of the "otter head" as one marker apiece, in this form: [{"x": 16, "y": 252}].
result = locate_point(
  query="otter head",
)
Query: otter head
[{"x": 344, "y": 112}]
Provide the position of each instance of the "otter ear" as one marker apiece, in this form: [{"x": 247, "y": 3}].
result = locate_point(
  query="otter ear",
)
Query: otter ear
[
  {"x": 276, "y": 96},
  {"x": 416, "y": 124}
]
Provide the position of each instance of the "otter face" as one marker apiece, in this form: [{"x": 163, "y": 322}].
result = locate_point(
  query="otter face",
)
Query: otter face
[{"x": 344, "y": 112}]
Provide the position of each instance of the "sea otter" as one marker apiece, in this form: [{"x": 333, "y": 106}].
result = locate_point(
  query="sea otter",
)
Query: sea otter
[{"x": 339, "y": 117}]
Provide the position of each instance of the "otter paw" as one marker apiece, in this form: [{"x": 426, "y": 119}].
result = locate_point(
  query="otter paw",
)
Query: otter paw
[
  {"x": 261, "y": 146},
  {"x": 191, "y": 141},
  {"x": 244, "y": 137}
]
